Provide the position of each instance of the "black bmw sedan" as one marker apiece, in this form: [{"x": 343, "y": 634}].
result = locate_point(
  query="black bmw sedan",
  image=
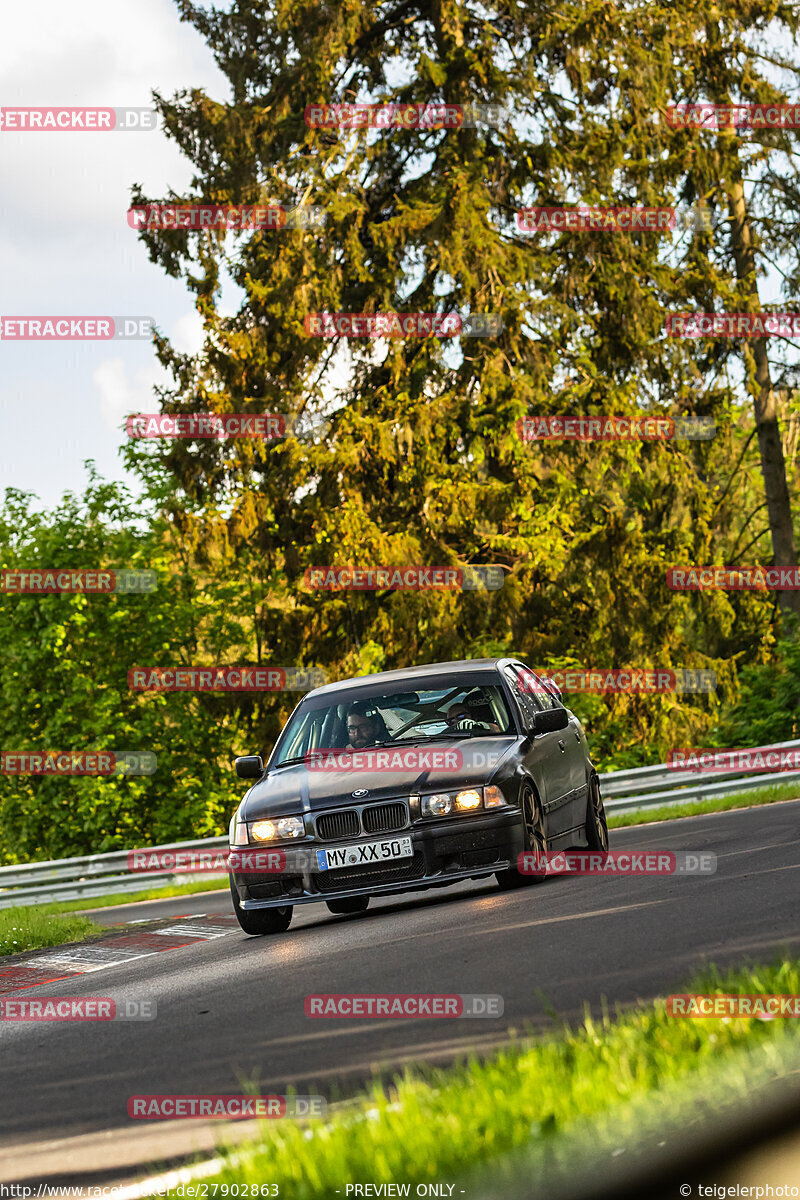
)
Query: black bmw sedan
[{"x": 408, "y": 780}]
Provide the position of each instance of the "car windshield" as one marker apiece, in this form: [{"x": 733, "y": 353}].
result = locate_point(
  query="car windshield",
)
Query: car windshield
[{"x": 359, "y": 719}]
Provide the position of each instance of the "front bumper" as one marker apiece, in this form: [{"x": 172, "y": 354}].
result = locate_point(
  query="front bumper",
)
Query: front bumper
[{"x": 445, "y": 852}]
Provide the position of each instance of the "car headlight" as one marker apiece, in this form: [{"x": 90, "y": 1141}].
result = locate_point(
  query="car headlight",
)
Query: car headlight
[
  {"x": 436, "y": 806},
  {"x": 467, "y": 800},
  {"x": 441, "y": 804},
  {"x": 277, "y": 829}
]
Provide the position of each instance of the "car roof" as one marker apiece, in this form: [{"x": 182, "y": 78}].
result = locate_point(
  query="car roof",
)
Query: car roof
[{"x": 434, "y": 671}]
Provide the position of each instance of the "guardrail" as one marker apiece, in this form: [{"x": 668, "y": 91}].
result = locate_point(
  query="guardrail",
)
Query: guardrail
[
  {"x": 90, "y": 875},
  {"x": 651, "y": 787},
  {"x": 623, "y": 791}
]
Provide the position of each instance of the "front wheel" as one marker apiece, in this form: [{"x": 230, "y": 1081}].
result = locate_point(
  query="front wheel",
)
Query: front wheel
[
  {"x": 261, "y": 920},
  {"x": 596, "y": 824},
  {"x": 535, "y": 841},
  {"x": 348, "y": 904}
]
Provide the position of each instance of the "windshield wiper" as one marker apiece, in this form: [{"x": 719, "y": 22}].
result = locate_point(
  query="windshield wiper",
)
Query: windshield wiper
[{"x": 433, "y": 737}]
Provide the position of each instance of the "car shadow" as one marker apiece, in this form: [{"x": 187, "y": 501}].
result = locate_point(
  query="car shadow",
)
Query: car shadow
[{"x": 426, "y": 899}]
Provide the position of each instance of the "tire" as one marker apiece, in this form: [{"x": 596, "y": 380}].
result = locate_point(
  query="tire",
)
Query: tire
[
  {"x": 261, "y": 920},
  {"x": 596, "y": 824},
  {"x": 348, "y": 904},
  {"x": 534, "y": 840}
]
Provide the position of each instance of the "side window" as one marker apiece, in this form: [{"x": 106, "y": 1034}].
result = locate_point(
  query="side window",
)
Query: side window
[
  {"x": 539, "y": 687},
  {"x": 525, "y": 693}
]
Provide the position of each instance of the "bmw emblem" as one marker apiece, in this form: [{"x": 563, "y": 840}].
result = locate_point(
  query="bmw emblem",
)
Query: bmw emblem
[{"x": 359, "y": 792}]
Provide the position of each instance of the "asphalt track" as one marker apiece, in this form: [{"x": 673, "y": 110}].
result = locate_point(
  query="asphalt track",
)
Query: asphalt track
[{"x": 231, "y": 1011}]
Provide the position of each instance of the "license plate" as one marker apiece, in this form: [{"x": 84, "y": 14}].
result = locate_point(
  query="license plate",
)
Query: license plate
[{"x": 364, "y": 855}]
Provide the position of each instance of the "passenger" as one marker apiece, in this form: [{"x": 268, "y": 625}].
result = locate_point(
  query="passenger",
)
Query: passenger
[{"x": 462, "y": 718}]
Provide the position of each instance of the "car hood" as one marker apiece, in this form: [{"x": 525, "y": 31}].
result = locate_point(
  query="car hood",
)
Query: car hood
[{"x": 299, "y": 788}]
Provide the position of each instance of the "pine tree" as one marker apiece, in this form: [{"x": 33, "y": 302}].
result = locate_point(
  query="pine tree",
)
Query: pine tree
[{"x": 423, "y": 462}]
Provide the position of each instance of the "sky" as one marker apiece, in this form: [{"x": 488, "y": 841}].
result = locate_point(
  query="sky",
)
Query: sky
[{"x": 65, "y": 244}]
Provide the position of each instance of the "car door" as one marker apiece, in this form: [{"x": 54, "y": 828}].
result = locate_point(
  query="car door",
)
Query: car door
[
  {"x": 576, "y": 751},
  {"x": 544, "y": 759}
]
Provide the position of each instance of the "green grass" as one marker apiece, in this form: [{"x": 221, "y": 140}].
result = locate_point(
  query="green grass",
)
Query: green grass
[
  {"x": 564, "y": 1099},
  {"x": 669, "y": 812},
  {"x": 36, "y": 926},
  {"x": 111, "y": 900},
  {"x": 162, "y": 893},
  {"x": 30, "y": 927}
]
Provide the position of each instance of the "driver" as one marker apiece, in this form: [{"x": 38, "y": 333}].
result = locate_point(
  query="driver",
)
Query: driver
[
  {"x": 470, "y": 715},
  {"x": 365, "y": 726}
]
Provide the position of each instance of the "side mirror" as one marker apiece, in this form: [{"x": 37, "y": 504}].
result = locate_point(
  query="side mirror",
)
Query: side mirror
[
  {"x": 249, "y": 766},
  {"x": 551, "y": 720}
]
